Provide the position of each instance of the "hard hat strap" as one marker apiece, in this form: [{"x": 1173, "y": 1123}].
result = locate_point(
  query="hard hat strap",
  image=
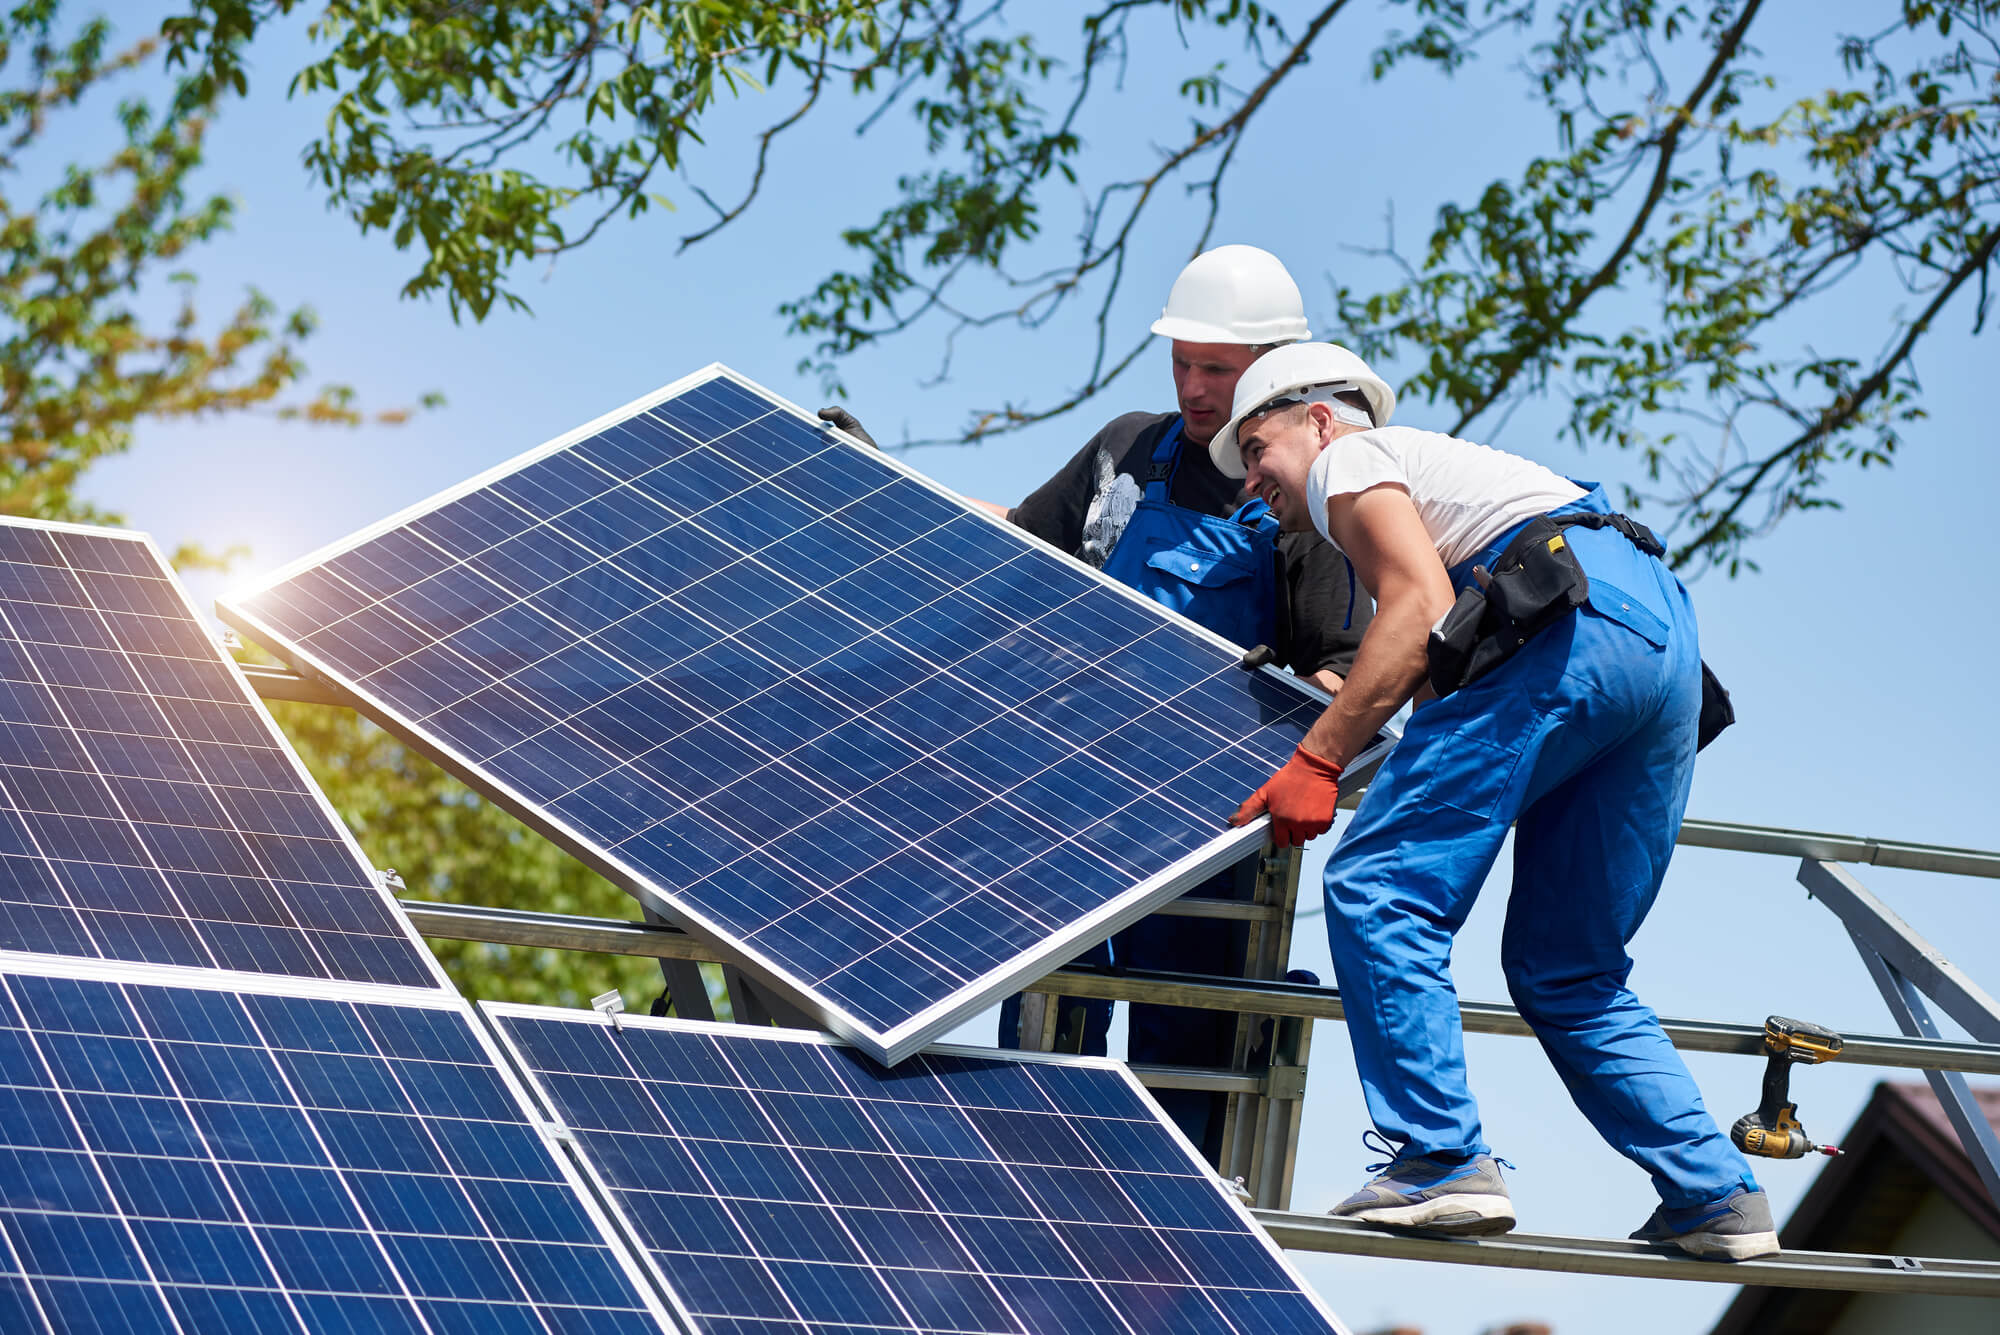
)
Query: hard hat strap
[{"x": 1345, "y": 413}]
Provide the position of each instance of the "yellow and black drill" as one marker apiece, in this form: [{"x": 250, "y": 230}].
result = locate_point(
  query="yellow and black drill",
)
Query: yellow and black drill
[{"x": 1773, "y": 1131}]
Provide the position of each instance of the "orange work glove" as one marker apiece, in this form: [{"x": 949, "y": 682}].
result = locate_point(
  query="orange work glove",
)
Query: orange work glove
[{"x": 1299, "y": 798}]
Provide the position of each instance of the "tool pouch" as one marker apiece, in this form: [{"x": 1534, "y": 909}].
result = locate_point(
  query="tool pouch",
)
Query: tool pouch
[
  {"x": 1453, "y": 639},
  {"x": 1536, "y": 582},
  {"x": 1716, "y": 711}
]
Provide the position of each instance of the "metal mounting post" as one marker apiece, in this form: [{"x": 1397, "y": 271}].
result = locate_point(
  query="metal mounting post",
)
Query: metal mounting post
[
  {"x": 750, "y": 1004},
  {"x": 1906, "y": 968},
  {"x": 1261, "y": 1133}
]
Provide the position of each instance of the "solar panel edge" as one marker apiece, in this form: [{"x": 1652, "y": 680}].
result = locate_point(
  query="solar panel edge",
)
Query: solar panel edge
[
  {"x": 1237, "y": 1207},
  {"x": 132, "y": 535},
  {"x": 146, "y": 974},
  {"x": 521, "y": 1088},
  {"x": 498, "y": 1012},
  {"x": 1230, "y": 847},
  {"x": 310, "y": 785},
  {"x": 505, "y": 467},
  {"x": 602, "y": 1195}
]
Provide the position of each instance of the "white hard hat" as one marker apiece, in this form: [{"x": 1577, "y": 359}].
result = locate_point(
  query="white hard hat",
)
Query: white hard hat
[
  {"x": 1234, "y": 294},
  {"x": 1298, "y": 373}
]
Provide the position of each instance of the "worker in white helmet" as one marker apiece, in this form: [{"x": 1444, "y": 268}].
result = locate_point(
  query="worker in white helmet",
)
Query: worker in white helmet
[
  {"x": 1571, "y": 700},
  {"x": 1143, "y": 500}
]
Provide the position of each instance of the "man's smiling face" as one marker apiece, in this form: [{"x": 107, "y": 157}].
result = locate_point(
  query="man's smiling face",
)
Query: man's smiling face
[{"x": 1278, "y": 452}]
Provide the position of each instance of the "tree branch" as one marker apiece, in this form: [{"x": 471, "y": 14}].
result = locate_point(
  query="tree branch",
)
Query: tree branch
[
  {"x": 1842, "y": 411},
  {"x": 1656, "y": 189}
]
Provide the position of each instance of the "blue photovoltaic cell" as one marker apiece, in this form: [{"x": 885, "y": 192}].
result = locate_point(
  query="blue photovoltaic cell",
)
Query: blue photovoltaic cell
[
  {"x": 888, "y": 748},
  {"x": 213, "y": 1162},
  {"x": 149, "y": 810},
  {"x": 785, "y": 1185}
]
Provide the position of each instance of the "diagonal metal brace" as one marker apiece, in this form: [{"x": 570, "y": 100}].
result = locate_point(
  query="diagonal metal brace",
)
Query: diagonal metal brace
[
  {"x": 1876, "y": 928},
  {"x": 1893, "y": 951}
]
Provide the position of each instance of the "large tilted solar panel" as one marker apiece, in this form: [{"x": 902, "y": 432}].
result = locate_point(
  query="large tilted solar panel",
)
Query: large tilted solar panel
[
  {"x": 786, "y": 1184},
  {"x": 894, "y": 756},
  {"x": 150, "y": 811},
  {"x": 222, "y": 1163}
]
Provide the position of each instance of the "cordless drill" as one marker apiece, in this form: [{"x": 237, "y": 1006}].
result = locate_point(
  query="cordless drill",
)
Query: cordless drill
[{"x": 1773, "y": 1131}]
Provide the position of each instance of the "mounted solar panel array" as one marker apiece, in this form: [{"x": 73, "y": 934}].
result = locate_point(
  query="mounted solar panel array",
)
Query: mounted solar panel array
[
  {"x": 783, "y": 1183},
  {"x": 893, "y": 756},
  {"x": 202, "y": 1160},
  {"x": 150, "y": 811},
  {"x": 234, "y": 1094}
]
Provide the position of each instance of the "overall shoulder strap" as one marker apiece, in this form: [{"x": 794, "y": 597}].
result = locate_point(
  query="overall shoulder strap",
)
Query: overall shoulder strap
[{"x": 1166, "y": 460}]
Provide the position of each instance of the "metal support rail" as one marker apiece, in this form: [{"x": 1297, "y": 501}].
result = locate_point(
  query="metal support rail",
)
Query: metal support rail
[
  {"x": 464, "y": 922},
  {"x": 275, "y": 683},
  {"x": 1839, "y": 848},
  {"x": 1615, "y": 1256}
]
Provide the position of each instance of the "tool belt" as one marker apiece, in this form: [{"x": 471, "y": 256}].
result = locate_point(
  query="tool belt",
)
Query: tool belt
[{"x": 1536, "y": 582}]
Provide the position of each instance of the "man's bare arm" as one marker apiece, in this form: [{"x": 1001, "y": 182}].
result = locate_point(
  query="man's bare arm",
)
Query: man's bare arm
[{"x": 1393, "y": 556}]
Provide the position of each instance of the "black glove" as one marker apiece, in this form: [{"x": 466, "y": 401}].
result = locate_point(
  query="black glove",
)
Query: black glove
[{"x": 847, "y": 422}]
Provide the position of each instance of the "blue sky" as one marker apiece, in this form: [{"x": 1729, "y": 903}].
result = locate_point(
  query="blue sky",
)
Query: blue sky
[{"x": 1857, "y": 657}]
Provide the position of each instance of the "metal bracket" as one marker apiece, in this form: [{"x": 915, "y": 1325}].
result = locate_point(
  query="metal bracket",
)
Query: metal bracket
[
  {"x": 610, "y": 1005},
  {"x": 390, "y": 879},
  {"x": 556, "y": 1133},
  {"x": 1285, "y": 1082}
]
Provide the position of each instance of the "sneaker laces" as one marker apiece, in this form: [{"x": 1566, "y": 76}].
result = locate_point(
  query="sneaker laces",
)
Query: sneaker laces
[{"x": 1380, "y": 1145}]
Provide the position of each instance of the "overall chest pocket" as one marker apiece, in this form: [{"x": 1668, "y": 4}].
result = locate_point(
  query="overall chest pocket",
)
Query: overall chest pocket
[{"x": 1198, "y": 566}]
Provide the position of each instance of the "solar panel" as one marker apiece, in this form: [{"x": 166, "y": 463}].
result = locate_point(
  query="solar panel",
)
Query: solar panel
[
  {"x": 892, "y": 755},
  {"x": 781, "y": 1182},
  {"x": 205, "y": 1160},
  {"x": 149, "y": 809}
]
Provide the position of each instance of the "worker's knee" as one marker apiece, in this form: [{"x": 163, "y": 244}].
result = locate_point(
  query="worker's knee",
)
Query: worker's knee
[{"x": 1561, "y": 999}]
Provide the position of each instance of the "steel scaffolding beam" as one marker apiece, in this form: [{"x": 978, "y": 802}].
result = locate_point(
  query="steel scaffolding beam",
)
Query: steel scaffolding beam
[
  {"x": 463, "y": 922},
  {"x": 1851, "y": 1273}
]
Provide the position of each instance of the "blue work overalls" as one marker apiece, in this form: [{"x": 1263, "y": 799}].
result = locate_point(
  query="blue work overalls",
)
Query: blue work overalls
[
  {"x": 1222, "y": 573},
  {"x": 1585, "y": 742}
]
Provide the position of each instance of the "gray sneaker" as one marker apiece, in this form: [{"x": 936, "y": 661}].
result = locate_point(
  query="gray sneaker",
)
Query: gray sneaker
[
  {"x": 1735, "y": 1228},
  {"x": 1468, "y": 1199}
]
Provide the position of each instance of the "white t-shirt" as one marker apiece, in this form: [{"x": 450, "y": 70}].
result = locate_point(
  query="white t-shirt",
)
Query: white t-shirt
[{"x": 1467, "y": 495}]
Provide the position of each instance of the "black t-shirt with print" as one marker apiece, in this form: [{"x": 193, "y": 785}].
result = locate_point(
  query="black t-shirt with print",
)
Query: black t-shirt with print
[{"x": 1083, "y": 510}]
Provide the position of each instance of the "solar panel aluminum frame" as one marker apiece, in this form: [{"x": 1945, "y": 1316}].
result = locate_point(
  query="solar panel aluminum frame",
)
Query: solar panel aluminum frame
[
  {"x": 284, "y": 746},
  {"x": 1230, "y": 846},
  {"x": 529, "y": 1099},
  {"x": 496, "y": 1011}
]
